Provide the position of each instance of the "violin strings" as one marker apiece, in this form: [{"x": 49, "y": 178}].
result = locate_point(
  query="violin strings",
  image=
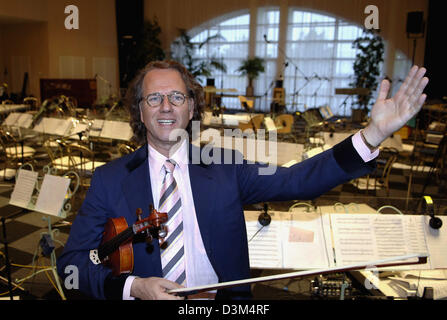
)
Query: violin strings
[{"x": 108, "y": 247}]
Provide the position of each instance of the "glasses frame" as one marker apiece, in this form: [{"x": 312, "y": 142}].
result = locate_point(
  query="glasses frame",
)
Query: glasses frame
[{"x": 163, "y": 96}]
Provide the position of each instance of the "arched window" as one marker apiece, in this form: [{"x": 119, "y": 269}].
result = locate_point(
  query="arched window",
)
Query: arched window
[
  {"x": 317, "y": 50},
  {"x": 321, "y": 59},
  {"x": 230, "y": 47}
]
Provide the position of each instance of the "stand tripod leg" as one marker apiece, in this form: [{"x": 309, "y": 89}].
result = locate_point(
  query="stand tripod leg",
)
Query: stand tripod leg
[
  {"x": 53, "y": 263},
  {"x": 7, "y": 263},
  {"x": 52, "y": 267}
]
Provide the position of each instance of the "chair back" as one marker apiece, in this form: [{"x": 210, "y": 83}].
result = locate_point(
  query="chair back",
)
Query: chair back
[{"x": 284, "y": 123}]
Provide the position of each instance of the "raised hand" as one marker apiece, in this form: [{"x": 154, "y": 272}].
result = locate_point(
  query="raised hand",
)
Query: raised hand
[{"x": 389, "y": 115}]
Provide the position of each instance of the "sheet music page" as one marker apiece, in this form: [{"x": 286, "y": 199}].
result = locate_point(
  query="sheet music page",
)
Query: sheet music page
[
  {"x": 96, "y": 128},
  {"x": 364, "y": 237},
  {"x": 354, "y": 240},
  {"x": 79, "y": 127},
  {"x": 12, "y": 119},
  {"x": 23, "y": 189},
  {"x": 116, "y": 130},
  {"x": 264, "y": 245},
  {"x": 304, "y": 241},
  {"x": 436, "y": 242},
  {"x": 59, "y": 127},
  {"x": 25, "y": 120},
  {"x": 52, "y": 194}
]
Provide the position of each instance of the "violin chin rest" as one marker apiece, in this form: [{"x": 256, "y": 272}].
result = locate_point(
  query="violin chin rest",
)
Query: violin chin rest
[{"x": 94, "y": 257}]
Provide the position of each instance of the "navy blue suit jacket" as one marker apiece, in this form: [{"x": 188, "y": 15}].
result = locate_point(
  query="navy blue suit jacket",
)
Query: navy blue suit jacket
[{"x": 219, "y": 192}]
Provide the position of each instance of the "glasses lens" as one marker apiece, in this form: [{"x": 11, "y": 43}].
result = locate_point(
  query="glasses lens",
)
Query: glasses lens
[
  {"x": 176, "y": 98},
  {"x": 154, "y": 99}
]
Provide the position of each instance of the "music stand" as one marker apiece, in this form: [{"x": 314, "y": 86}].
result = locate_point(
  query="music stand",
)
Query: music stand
[{"x": 33, "y": 194}]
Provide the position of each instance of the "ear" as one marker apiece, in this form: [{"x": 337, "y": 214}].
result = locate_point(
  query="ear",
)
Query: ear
[
  {"x": 191, "y": 108},
  {"x": 141, "y": 113}
]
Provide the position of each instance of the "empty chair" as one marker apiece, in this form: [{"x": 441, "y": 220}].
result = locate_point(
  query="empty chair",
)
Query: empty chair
[
  {"x": 14, "y": 154},
  {"x": 284, "y": 123},
  {"x": 255, "y": 123}
]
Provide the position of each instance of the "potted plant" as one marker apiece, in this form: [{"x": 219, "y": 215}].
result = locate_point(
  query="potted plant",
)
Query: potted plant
[
  {"x": 251, "y": 67},
  {"x": 367, "y": 67},
  {"x": 184, "y": 50}
]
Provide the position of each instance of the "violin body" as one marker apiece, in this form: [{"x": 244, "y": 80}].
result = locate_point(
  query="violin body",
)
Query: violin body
[
  {"x": 116, "y": 250},
  {"x": 121, "y": 260}
]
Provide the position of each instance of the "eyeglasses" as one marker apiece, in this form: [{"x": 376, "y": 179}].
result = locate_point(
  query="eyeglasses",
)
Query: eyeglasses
[{"x": 156, "y": 99}]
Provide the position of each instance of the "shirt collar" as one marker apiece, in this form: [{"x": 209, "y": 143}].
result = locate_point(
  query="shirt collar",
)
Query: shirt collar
[{"x": 157, "y": 160}]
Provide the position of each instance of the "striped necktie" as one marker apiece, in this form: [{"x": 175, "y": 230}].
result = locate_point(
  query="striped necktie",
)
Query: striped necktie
[{"x": 172, "y": 249}]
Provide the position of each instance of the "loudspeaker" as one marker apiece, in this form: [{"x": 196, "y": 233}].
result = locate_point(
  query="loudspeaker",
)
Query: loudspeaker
[
  {"x": 415, "y": 22},
  {"x": 129, "y": 23},
  {"x": 434, "y": 59}
]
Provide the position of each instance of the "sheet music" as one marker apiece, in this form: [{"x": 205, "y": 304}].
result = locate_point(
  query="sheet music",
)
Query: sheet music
[
  {"x": 77, "y": 128},
  {"x": 23, "y": 189},
  {"x": 96, "y": 128},
  {"x": 12, "y": 119},
  {"x": 54, "y": 126},
  {"x": 359, "y": 238},
  {"x": 436, "y": 242},
  {"x": 265, "y": 247},
  {"x": 304, "y": 242},
  {"x": 353, "y": 238},
  {"x": 20, "y": 120},
  {"x": 52, "y": 195},
  {"x": 116, "y": 130}
]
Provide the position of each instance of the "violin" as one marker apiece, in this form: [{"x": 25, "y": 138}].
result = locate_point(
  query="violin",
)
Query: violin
[{"x": 116, "y": 250}]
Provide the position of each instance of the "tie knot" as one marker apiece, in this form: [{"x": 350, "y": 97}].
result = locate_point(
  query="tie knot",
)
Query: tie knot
[{"x": 169, "y": 165}]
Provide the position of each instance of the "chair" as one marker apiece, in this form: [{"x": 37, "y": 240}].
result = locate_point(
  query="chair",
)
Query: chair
[
  {"x": 379, "y": 179},
  {"x": 72, "y": 157},
  {"x": 125, "y": 148},
  {"x": 255, "y": 123},
  {"x": 32, "y": 102},
  {"x": 284, "y": 123},
  {"x": 14, "y": 154},
  {"x": 247, "y": 104}
]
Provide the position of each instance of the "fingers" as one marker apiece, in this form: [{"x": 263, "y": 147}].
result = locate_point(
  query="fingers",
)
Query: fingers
[
  {"x": 409, "y": 78},
  {"x": 154, "y": 288},
  {"x": 415, "y": 96},
  {"x": 166, "y": 285},
  {"x": 383, "y": 90},
  {"x": 412, "y": 88}
]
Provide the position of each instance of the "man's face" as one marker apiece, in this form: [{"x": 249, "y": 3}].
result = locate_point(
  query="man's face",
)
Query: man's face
[{"x": 161, "y": 120}]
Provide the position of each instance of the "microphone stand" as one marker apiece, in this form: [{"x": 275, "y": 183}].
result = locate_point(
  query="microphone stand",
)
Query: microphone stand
[
  {"x": 315, "y": 93},
  {"x": 297, "y": 69},
  {"x": 266, "y": 93}
]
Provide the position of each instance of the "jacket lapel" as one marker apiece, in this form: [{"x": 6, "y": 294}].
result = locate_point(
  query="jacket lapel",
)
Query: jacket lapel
[
  {"x": 137, "y": 191},
  {"x": 136, "y": 187}
]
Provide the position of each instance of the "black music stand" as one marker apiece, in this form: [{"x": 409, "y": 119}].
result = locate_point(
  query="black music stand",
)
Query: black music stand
[{"x": 7, "y": 260}]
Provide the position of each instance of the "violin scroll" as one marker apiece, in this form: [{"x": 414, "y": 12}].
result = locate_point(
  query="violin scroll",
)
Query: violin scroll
[{"x": 153, "y": 224}]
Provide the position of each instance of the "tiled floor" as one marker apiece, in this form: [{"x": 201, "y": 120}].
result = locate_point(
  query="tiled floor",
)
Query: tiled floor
[{"x": 25, "y": 229}]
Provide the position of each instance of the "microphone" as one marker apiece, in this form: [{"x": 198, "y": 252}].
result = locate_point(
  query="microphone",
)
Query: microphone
[
  {"x": 265, "y": 39},
  {"x": 435, "y": 222},
  {"x": 264, "y": 218}
]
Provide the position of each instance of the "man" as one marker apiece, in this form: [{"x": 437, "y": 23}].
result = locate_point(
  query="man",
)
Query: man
[{"x": 207, "y": 215}]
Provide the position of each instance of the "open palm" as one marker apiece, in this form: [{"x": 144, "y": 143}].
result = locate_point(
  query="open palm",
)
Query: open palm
[{"x": 389, "y": 115}]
